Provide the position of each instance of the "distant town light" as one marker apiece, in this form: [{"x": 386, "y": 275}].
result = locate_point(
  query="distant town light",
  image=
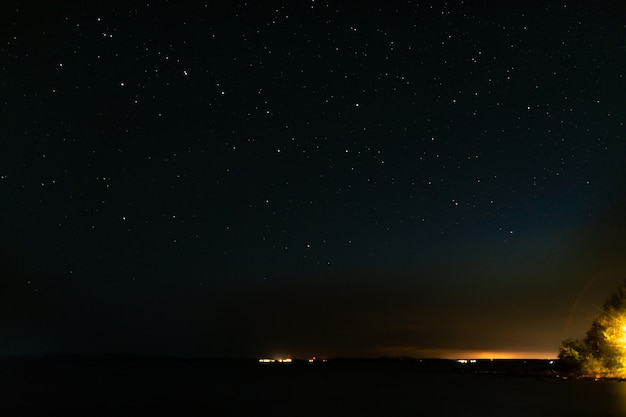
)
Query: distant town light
[{"x": 270, "y": 360}]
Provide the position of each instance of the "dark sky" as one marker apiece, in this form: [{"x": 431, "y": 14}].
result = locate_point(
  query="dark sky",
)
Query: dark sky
[{"x": 312, "y": 179}]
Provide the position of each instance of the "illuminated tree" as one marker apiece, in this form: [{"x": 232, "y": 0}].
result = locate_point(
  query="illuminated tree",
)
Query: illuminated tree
[
  {"x": 603, "y": 350},
  {"x": 572, "y": 355}
]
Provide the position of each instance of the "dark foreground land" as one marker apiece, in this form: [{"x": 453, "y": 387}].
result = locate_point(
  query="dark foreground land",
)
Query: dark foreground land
[{"x": 127, "y": 386}]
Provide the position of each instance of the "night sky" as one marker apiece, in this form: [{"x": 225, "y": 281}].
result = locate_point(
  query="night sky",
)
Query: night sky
[{"x": 430, "y": 180}]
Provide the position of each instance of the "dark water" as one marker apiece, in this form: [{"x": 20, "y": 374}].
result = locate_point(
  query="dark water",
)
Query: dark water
[{"x": 213, "y": 388}]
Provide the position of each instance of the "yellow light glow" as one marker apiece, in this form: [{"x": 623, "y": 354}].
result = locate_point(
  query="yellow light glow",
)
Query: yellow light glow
[
  {"x": 481, "y": 354},
  {"x": 270, "y": 360},
  {"x": 412, "y": 352},
  {"x": 622, "y": 337}
]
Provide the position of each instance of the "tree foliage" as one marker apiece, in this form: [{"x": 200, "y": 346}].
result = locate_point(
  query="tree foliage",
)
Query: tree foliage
[
  {"x": 602, "y": 352},
  {"x": 572, "y": 354}
]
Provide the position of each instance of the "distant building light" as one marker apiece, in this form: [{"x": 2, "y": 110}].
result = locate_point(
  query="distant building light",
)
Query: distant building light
[{"x": 270, "y": 360}]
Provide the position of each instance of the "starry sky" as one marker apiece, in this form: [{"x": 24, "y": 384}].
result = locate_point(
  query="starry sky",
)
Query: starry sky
[{"x": 309, "y": 178}]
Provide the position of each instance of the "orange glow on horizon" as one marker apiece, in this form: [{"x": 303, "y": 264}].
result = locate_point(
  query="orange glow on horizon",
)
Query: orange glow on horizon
[
  {"x": 480, "y": 354},
  {"x": 412, "y": 352}
]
